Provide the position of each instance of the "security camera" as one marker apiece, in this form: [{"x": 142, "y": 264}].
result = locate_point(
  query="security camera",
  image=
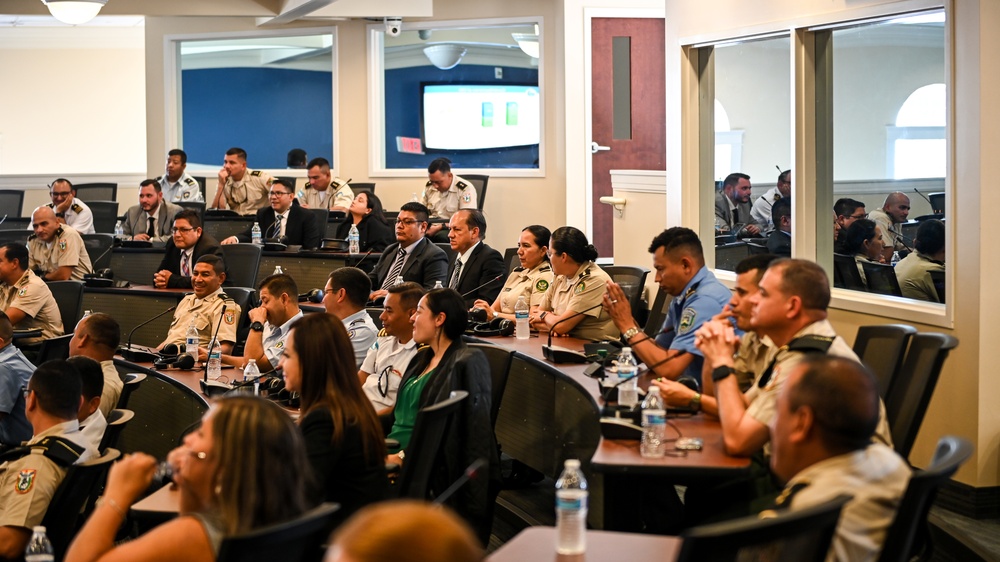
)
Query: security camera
[{"x": 393, "y": 26}]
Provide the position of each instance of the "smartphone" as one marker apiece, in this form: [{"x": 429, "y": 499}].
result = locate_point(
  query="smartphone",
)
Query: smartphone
[{"x": 689, "y": 444}]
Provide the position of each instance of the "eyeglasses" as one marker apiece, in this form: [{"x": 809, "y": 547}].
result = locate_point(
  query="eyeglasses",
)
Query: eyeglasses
[
  {"x": 61, "y": 193},
  {"x": 175, "y": 230},
  {"x": 858, "y": 217},
  {"x": 278, "y": 193},
  {"x": 384, "y": 375},
  {"x": 407, "y": 222}
]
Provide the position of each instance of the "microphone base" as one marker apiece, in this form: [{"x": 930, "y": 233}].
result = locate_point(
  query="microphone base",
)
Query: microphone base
[
  {"x": 137, "y": 355},
  {"x": 214, "y": 388},
  {"x": 559, "y": 355}
]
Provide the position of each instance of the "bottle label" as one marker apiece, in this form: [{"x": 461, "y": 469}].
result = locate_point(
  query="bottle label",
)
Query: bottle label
[
  {"x": 657, "y": 417},
  {"x": 521, "y": 315},
  {"x": 574, "y": 502}
]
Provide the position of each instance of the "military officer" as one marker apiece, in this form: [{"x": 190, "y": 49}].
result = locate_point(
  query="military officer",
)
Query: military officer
[
  {"x": 68, "y": 209},
  {"x": 531, "y": 280},
  {"x": 271, "y": 323},
  {"x": 56, "y": 251},
  {"x": 323, "y": 191},
  {"x": 177, "y": 185},
  {"x": 345, "y": 296},
  {"x": 444, "y": 194},
  {"x": 24, "y": 297},
  {"x": 245, "y": 190},
  {"x": 761, "y": 211},
  {"x": 204, "y": 307}
]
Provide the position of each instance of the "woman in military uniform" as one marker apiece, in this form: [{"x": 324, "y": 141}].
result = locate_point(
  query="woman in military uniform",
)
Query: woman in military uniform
[
  {"x": 572, "y": 306},
  {"x": 531, "y": 280}
]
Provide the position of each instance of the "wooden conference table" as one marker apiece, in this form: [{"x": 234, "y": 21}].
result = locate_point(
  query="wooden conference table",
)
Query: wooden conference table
[{"x": 538, "y": 544}]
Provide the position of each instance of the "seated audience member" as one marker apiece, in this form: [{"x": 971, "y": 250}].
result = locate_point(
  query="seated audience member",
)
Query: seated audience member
[
  {"x": 323, "y": 191},
  {"x": 68, "y": 209},
  {"x": 153, "y": 218},
  {"x": 404, "y": 531},
  {"x": 894, "y": 212},
  {"x": 344, "y": 297},
  {"x": 97, "y": 336},
  {"x": 219, "y": 470},
  {"x": 388, "y": 357},
  {"x": 374, "y": 231},
  {"x": 914, "y": 271},
  {"x": 447, "y": 364},
  {"x": 203, "y": 308},
  {"x": 680, "y": 270},
  {"x": 733, "y": 212},
  {"x": 412, "y": 258},
  {"x": 56, "y": 251},
  {"x": 177, "y": 185},
  {"x": 864, "y": 241},
  {"x": 186, "y": 246},
  {"x": 343, "y": 436},
  {"x": 30, "y": 474},
  {"x": 477, "y": 269},
  {"x": 845, "y": 212},
  {"x": 444, "y": 194},
  {"x": 15, "y": 370},
  {"x": 296, "y": 159},
  {"x": 272, "y": 321},
  {"x": 24, "y": 297},
  {"x": 578, "y": 288},
  {"x": 242, "y": 190},
  {"x": 92, "y": 421},
  {"x": 822, "y": 448},
  {"x": 779, "y": 242},
  {"x": 761, "y": 211},
  {"x": 531, "y": 280},
  {"x": 283, "y": 220}
]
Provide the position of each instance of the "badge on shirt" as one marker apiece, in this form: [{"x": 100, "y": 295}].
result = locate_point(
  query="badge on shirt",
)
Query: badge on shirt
[
  {"x": 687, "y": 320},
  {"x": 351, "y": 333},
  {"x": 542, "y": 285},
  {"x": 230, "y": 317},
  {"x": 186, "y": 194},
  {"x": 580, "y": 287},
  {"x": 466, "y": 198},
  {"x": 279, "y": 345},
  {"x": 62, "y": 244},
  {"x": 25, "y": 480},
  {"x": 22, "y": 292}
]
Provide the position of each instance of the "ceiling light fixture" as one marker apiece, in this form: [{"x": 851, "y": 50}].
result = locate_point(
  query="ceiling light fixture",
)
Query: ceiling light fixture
[
  {"x": 528, "y": 42},
  {"x": 444, "y": 56},
  {"x": 74, "y": 12}
]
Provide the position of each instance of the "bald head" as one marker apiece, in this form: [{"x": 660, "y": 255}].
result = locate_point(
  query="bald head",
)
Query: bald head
[
  {"x": 44, "y": 223},
  {"x": 897, "y": 206},
  {"x": 42, "y": 213}
]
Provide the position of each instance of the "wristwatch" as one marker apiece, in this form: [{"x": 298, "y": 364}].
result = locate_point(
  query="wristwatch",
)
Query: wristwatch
[
  {"x": 695, "y": 403},
  {"x": 722, "y": 372},
  {"x": 542, "y": 315},
  {"x": 61, "y": 215},
  {"x": 257, "y": 327},
  {"x": 631, "y": 333}
]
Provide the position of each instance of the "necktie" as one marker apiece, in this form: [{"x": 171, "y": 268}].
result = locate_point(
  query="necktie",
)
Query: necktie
[
  {"x": 736, "y": 216},
  {"x": 150, "y": 226},
  {"x": 397, "y": 268},
  {"x": 185, "y": 265},
  {"x": 277, "y": 226},
  {"x": 457, "y": 275}
]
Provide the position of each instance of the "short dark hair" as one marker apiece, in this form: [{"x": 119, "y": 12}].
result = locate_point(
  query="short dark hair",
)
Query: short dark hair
[
  {"x": 679, "y": 239},
  {"x": 930, "y": 237},
  {"x": 216, "y": 262},
  {"x": 860, "y": 231},
  {"x": 442, "y": 165},
  {"x": 456, "y": 312},
  {"x": 66, "y": 181},
  {"x": 91, "y": 376},
  {"x": 758, "y": 262},
  {"x": 103, "y": 329},
  {"x": 179, "y": 152},
  {"x": 56, "y": 385},
  {"x": 284, "y": 183},
  {"x": 419, "y": 211},
  {"x": 846, "y": 206},
  {"x": 354, "y": 282},
  {"x": 321, "y": 162},
  {"x": 190, "y": 215},
  {"x": 296, "y": 157},
  {"x": 786, "y": 174},
  {"x": 573, "y": 242},
  {"x": 16, "y": 251},
  {"x": 844, "y": 400},
  {"x": 474, "y": 218},
  {"x": 237, "y": 151},
  {"x": 409, "y": 293},
  {"x": 780, "y": 209},
  {"x": 154, "y": 183},
  {"x": 806, "y": 280},
  {"x": 734, "y": 178},
  {"x": 280, "y": 283}
]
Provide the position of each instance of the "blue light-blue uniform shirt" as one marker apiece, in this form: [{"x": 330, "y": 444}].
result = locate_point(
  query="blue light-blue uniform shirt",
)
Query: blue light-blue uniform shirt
[
  {"x": 702, "y": 298},
  {"x": 15, "y": 370}
]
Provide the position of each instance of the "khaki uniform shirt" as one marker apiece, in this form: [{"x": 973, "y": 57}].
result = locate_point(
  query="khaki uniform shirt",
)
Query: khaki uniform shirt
[
  {"x": 113, "y": 385},
  {"x": 750, "y": 359},
  {"x": 205, "y": 313},
  {"x": 531, "y": 283},
  {"x": 32, "y": 296},
  {"x": 186, "y": 189},
  {"x": 250, "y": 193},
  {"x": 66, "y": 249},
  {"x": 461, "y": 195},
  {"x": 583, "y": 290},
  {"x": 914, "y": 275},
  {"x": 876, "y": 477},
  {"x": 79, "y": 216},
  {"x": 342, "y": 196},
  {"x": 27, "y": 484}
]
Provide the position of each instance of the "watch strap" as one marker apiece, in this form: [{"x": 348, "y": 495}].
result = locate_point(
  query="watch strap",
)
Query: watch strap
[
  {"x": 257, "y": 327},
  {"x": 722, "y": 372},
  {"x": 695, "y": 403},
  {"x": 631, "y": 333}
]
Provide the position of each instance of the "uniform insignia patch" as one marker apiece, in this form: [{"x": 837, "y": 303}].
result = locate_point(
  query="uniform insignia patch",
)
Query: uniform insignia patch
[
  {"x": 279, "y": 345},
  {"x": 22, "y": 292},
  {"x": 62, "y": 244},
  {"x": 466, "y": 198},
  {"x": 25, "y": 480},
  {"x": 351, "y": 333},
  {"x": 542, "y": 285},
  {"x": 687, "y": 320},
  {"x": 580, "y": 287},
  {"x": 301, "y": 193},
  {"x": 230, "y": 317},
  {"x": 186, "y": 195}
]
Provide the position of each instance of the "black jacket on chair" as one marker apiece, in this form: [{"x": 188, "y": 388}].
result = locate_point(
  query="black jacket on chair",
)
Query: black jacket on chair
[
  {"x": 372, "y": 234},
  {"x": 300, "y": 228},
  {"x": 172, "y": 259},
  {"x": 427, "y": 265},
  {"x": 484, "y": 264}
]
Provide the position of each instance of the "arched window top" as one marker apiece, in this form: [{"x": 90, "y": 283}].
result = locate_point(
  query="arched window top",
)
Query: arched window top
[
  {"x": 721, "y": 118},
  {"x": 925, "y": 107}
]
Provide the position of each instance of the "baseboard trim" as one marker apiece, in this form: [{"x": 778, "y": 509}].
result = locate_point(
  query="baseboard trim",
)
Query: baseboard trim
[{"x": 977, "y": 503}]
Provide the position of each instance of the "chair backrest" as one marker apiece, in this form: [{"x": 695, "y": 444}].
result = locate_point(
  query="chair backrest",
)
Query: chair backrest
[
  {"x": 730, "y": 254},
  {"x": 65, "y": 509},
  {"x": 911, "y": 390},
  {"x": 20, "y": 236},
  {"x": 499, "y": 360},
  {"x": 242, "y": 263},
  {"x": 358, "y": 187},
  {"x": 881, "y": 349},
  {"x": 937, "y": 201},
  {"x": 54, "y": 348},
  {"x": 802, "y": 535},
  {"x": 100, "y": 191},
  {"x": 322, "y": 220},
  {"x": 11, "y": 201},
  {"x": 479, "y": 181},
  {"x": 632, "y": 280},
  {"x": 69, "y": 297},
  {"x": 117, "y": 420},
  {"x": 510, "y": 260},
  {"x": 937, "y": 277},
  {"x": 201, "y": 184},
  {"x": 375, "y": 313},
  {"x": 448, "y": 252},
  {"x": 425, "y": 445},
  {"x": 881, "y": 278},
  {"x": 846, "y": 274},
  {"x": 196, "y": 206},
  {"x": 132, "y": 382},
  {"x": 97, "y": 248},
  {"x": 657, "y": 313},
  {"x": 16, "y": 223},
  {"x": 299, "y": 539},
  {"x": 222, "y": 227},
  {"x": 105, "y": 215},
  {"x": 243, "y": 296},
  {"x": 908, "y": 531}
]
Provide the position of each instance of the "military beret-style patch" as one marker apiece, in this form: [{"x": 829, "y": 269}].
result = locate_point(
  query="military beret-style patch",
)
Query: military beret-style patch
[
  {"x": 687, "y": 320},
  {"x": 25, "y": 480},
  {"x": 541, "y": 285}
]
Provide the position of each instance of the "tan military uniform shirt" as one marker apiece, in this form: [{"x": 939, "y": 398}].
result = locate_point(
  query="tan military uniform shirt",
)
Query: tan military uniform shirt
[
  {"x": 66, "y": 249},
  {"x": 580, "y": 292},
  {"x": 342, "y": 196},
  {"x": 531, "y": 283},
  {"x": 27, "y": 484},
  {"x": 914, "y": 275},
  {"x": 205, "y": 313},
  {"x": 250, "y": 193},
  {"x": 32, "y": 296},
  {"x": 461, "y": 195}
]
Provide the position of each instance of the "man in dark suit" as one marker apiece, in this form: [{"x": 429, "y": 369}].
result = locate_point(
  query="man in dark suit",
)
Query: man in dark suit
[
  {"x": 296, "y": 227},
  {"x": 153, "y": 218},
  {"x": 412, "y": 258},
  {"x": 477, "y": 272},
  {"x": 187, "y": 244},
  {"x": 779, "y": 242}
]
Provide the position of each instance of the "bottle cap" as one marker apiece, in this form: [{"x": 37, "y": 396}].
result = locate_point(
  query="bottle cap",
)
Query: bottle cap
[
  {"x": 626, "y": 350},
  {"x": 572, "y": 463},
  {"x": 39, "y": 529}
]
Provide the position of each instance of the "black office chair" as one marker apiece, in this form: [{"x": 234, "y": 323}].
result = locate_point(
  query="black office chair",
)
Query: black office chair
[
  {"x": 97, "y": 248},
  {"x": 117, "y": 420},
  {"x": 358, "y": 187},
  {"x": 19, "y": 236},
  {"x": 16, "y": 223},
  {"x": 132, "y": 382},
  {"x": 69, "y": 298},
  {"x": 375, "y": 313},
  {"x": 510, "y": 260},
  {"x": 479, "y": 181},
  {"x": 196, "y": 206},
  {"x": 804, "y": 536},
  {"x": 657, "y": 313},
  {"x": 245, "y": 297},
  {"x": 757, "y": 249},
  {"x": 242, "y": 263},
  {"x": 101, "y": 191},
  {"x": 906, "y": 538},
  {"x": 105, "y": 215},
  {"x": 881, "y": 278},
  {"x": 201, "y": 186},
  {"x": 728, "y": 255},
  {"x": 881, "y": 349},
  {"x": 11, "y": 201},
  {"x": 76, "y": 490},
  {"x": 302, "y": 539},
  {"x": 452, "y": 254},
  {"x": 322, "y": 220},
  {"x": 937, "y": 277},
  {"x": 910, "y": 392},
  {"x": 499, "y": 360},
  {"x": 425, "y": 445},
  {"x": 846, "y": 274},
  {"x": 53, "y": 348},
  {"x": 632, "y": 280}
]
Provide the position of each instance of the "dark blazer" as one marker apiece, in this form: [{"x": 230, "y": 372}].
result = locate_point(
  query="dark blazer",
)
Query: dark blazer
[
  {"x": 172, "y": 259},
  {"x": 301, "y": 228},
  {"x": 136, "y": 219},
  {"x": 374, "y": 235},
  {"x": 427, "y": 265},
  {"x": 780, "y": 243},
  {"x": 484, "y": 264}
]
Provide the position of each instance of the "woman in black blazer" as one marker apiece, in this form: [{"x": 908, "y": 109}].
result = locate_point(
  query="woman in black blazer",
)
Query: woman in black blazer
[{"x": 374, "y": 230}]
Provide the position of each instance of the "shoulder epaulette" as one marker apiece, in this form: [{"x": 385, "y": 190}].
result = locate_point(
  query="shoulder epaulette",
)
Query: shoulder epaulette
[
  {"x": 225, "y": 297},
  {"x": 190, "y": 182},
  {"x": 462, "y": 185},
  {"x": 428, "y": 184},
  {"x": 811, "y": 344},
  {"x": 77, "y": 208},
  {"x": 59, "y": 231},
  {"x": 32, "y": 237},
  {"x": 255, "y": 173},
  {"x": 777, "y": 196},
  {"x": 382, "y": 333},
  {"x": 546, "y": 268},
  {"x": 53, "y": 205},
  {"x": 519, "y": 269},
  {"x": 335, "y": 184},
  {"x": 160, "y": 178}
]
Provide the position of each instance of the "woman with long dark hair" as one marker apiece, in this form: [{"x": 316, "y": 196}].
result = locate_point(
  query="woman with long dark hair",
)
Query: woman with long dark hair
[
  {"x": 864, "y": 242},
  {"x": 374, "y": 230}
]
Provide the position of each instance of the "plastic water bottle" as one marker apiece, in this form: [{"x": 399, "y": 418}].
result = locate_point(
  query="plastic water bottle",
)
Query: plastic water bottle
[
  {"x": 255, "y": 235},
  {"x": 628, "y": 392},
  {"x": 39, "y": 548},
  {"x": 895, "y": 258},
  {"x": 119, "y": 230},
  {"x": 214, "y": 360},
  {"x": 191, "y": 341},
  {"x": 571, "y": 509},
  {"x": 278, "y": 270},
  {"x": 354, "y": 241},
  {"x": 654, "y": 424},
  {"x": 521, "y": 329},
  {"x": 437, "y": 284},
  {"x": 252, "y": 374},
  {"x": 414, "y": 198}
]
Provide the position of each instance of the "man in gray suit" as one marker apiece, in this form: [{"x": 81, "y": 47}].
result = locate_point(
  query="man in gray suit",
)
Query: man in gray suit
[
  {"x": 732, "y": 206},
  {"x": 153, "y": 218}
]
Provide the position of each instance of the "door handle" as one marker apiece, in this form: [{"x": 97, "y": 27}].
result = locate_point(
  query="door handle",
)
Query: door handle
[{"x": 595, "y": 148}]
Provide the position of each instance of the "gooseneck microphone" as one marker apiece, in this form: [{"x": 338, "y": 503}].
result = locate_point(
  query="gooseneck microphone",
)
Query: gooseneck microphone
[
  {"x": 140, "y": 355},
  {"x": 213, "y": 340},
  {"x": 364, "y": 257},
  {"x": 558, "y": 354},
  {"x": 490, "y": 282}
]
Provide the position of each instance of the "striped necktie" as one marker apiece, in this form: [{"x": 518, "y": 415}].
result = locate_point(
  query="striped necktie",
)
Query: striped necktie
[
  {"x": 185, "y": 265},
  {"x": 457, "y": 275},
  {"x": 397, "y": 268}
]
